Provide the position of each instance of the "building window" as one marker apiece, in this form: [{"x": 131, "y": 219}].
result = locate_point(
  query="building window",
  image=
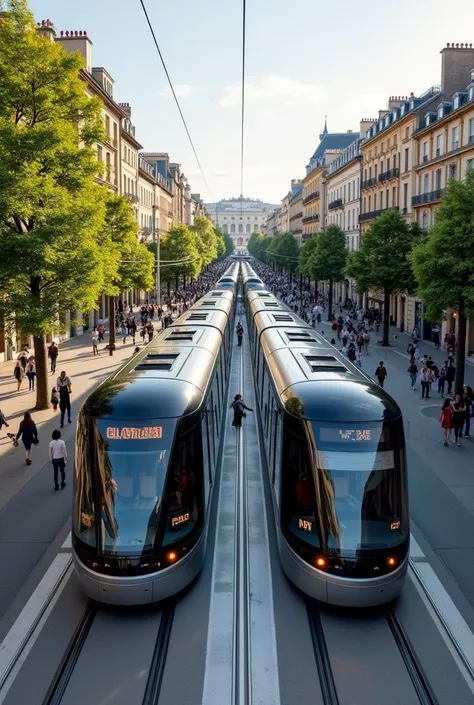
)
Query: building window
[
  {"x": 224, "y": 227},
  {"x": 406, "y": 158},
  {"x": 232, "y": 228},
  {"x": 425, "y": 151},
  {"x": 452, "y": 171},
  {"x": 107, "y": 125},
  {"x": 439, "y": 145},
  {"x": 471, "y": 93},
  {"x": 99, "y": 153},
  {"x": 424, "y": 224},
  {"x": 247, "y": 227},
  {"x": 469, "y": 165},
  {"x": 470, "y": 131},
  {"x": 454, "y": 138},
  {"x": 255, "y": 227},
  {"x": 438, "y": 180},
  {"x": 426, "y": 183},
  {"x": 241, "y": 228},
  {"x": 107, "y": 166},
  {"x": 405, "y": 196}
]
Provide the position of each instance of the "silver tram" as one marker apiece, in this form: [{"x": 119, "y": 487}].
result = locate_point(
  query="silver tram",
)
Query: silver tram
[
  {"x": 147, "y": 444},
  {"x": 335, "y": 453}
]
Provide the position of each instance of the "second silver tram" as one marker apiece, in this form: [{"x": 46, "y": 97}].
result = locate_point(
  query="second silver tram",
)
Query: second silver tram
[{"x": 335, "y": 452}]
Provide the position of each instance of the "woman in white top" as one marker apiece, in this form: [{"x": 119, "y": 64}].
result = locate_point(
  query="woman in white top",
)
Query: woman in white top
[{"x": 58, "y": 456}]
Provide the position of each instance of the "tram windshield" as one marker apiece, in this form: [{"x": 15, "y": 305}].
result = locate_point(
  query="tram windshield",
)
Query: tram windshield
[
  {"x": 131, "y": 461},
  {"x": 362, "y": 488}
]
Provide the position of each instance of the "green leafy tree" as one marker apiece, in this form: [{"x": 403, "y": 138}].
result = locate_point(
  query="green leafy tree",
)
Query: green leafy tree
[
  {"x": 50, "y": 213},
  {"x": 443, "y": 263},
  {"x": 328, "y": 259},
  {"x": 273, "y": 251},
  {"x": 258, "y": 244},
  {"x": 129, "y": 264},
  {"x": 221, "y": 248},
  {"x": 179, "y": 255},
  {"x": 306, "y": 250},
  {"x": 229, "y": 244},
  {"x": 206, "y": 242},
  {"x": 383, "y": 261}
]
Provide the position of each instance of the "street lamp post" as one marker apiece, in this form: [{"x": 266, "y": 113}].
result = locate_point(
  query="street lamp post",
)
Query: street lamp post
[{"x": 156, "y": 238}]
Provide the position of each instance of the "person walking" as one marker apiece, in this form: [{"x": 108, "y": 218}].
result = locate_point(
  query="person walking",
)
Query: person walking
[
  {"x": 28, "y": 434},
  {"x": 53, "y": 353},
  {"x": 58, "y": 457},
  {"x": 426, "y": 377},
  {"x": 23, "y": 358},
  {"x": 63, "y": 385},
  {"x": 31, "y": 373},
  {"x": 381, "y": 373},
  {"x": 95, "y": 342},
  {"x": 239, "y": 410},
  {"x": 450, "y": 375},
  {"x": 3, "y": 420},
  {"x": 18, "y": 373},
  {"x": 468, "y": 399},
  {"x": 413, "y": 372},
  {"x": 123, "y": 333},
  {"x": 459, "y": 415},
  {"x": 446, "y": 420},
  {"x": 442, "y": 378}
]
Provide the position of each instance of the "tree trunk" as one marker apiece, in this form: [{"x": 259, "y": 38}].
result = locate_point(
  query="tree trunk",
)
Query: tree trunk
[
  {"x": 461, "y": 350},
  {"x": 42, "y": 391},
  {"x": 111, "y": 345},
  {"x": 386, "y": 316},
  {"x": 330, "y": 292}
]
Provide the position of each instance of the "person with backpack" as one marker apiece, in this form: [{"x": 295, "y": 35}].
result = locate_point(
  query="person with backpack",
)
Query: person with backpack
[
  {"x": 18, "y": 373},
  {"x": 381, "y": 373}
]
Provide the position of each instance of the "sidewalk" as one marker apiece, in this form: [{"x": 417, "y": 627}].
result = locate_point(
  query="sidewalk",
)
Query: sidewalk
[{"x": 86, "y": 372}]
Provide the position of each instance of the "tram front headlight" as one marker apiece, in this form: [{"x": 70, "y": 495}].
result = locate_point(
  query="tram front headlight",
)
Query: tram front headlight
[
  {"x": 172, "y": 557},
  {"x": 321, "y": 562},
  {"x": 392, "y": 562}
]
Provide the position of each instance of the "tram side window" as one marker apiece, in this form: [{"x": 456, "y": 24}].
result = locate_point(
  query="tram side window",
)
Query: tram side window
[
  {"x": 206, "y": 457},
  {"x": 211, "y": 426},
  {"x": 84, "y": 504},
  {"x": 278, "y": 458},
  {"x": 298, "y": 496},
  {"x": 184, "y": 490}
]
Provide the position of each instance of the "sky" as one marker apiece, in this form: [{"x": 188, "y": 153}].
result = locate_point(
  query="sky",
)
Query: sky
[{"x": 304, "y": 60}]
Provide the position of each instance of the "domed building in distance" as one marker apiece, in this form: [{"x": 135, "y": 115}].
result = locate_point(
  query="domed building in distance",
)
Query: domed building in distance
[{"x": 240, "y": 217}]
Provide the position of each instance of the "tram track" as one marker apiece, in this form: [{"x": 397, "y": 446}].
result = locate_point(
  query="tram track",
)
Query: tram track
[
  {"x": 241, "y": 681},
  {"x": 160, "y": 654},
  {"x": 325, "y": 656}
]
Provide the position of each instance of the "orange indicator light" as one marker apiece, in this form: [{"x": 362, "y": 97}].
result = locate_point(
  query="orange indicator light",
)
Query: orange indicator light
[
  {"x": 321, "y": 562},
  {"x": 171, "y": 556},
  {"x": 391, "y": 561}
]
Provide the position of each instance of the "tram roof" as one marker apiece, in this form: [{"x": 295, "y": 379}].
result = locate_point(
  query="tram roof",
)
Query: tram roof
[
  {"x": 215, "y": 302},
  {"x": 209, "y": 318}
]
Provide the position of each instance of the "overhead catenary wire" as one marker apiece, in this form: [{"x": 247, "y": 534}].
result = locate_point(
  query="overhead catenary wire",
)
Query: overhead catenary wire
[
  {"x": 242, "y": 131},
  {"x": 152, "y": 31}
]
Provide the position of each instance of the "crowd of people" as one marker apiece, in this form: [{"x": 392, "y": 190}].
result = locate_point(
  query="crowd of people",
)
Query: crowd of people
[
  {"x": 351, "y": 328},
  {"x": 173, "y": 304}
]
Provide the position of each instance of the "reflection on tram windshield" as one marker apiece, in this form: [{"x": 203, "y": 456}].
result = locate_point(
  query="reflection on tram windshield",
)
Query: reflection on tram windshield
[
  {"x": 359, "y": 476},
  {"x": 132, "y": 471}
]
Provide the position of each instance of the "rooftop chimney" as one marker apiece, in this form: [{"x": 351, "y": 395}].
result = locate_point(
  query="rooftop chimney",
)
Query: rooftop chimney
[
  {"x": 46, "y": 29},
  {"x": 456, "y": 64},
  {"x": 365, "y": 125},
  {"x": 77, "y": 41}
]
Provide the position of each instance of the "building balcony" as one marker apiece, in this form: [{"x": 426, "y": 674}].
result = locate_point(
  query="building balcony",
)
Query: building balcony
[
  {"x": 368, "y": 183},
  {"x": 296, "y": 216},
  {"x": 311, "y": 219},
  {"x": 375, "y": 214},
  {"x": 339, "y": 203},
  {"x": 390, "y": 174},
  {"x": 306, "y": 236},
  {"x": 131, "y": 197},
  {"x": 297, "y": 231},
  {"x": 311, "y": 197},
  {"x": 430, "y": 197}
]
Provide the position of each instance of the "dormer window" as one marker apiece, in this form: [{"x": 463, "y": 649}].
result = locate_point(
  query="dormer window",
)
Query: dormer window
[
  {"x": 403, "y": 109},
  {"x": 471, "y": 93},
  {"x": 440, "y": 111},
  {"x": 412, "y": 104},
  {"x": 456, "y": 101},
  {"x": 387, "y": 121},
  {"x": 395, "y": 112}
]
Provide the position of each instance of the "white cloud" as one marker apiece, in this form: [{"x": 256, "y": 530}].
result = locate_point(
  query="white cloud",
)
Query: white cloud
[
  {"x": 287, "y": 90},
  {"x": 181, "y": 89}
]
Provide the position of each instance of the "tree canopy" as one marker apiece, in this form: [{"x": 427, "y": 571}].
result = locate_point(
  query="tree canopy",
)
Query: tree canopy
[
  {"x": 257, "y": 245},
  {"x": 443, "y": 263},
  {"x": 328, "y": 259},
  {"x": 283, "y": 251},
  {"x": 383, "y": 261},
  {"x": 179, "y": 255},
  {"x": 207, "y": 241},
  {"x": 51, "y": 211}
]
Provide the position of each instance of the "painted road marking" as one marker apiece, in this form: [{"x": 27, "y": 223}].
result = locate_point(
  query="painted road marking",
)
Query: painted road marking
[
  {"x": 68, "y": 542},
  {"x": 20, "y": 639}
]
